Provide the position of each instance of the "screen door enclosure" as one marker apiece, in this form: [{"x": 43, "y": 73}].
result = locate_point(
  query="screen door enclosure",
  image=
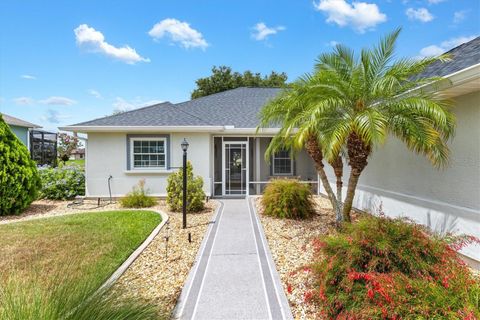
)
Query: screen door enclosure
[{"x": 235, "y": 168}]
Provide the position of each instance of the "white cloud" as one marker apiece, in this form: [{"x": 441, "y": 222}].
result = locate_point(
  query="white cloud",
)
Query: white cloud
[
  {"x": 459, "y": 16},
  {"x": 421, "y": 14},
  {"x": 333, "y": 43},
  {"x": 431, "y": 51},
  {"x": 121, "y": 105},
  {"x": 261, "y": 31},
  {"x": 28, "y": 77},
  {"x": 23, "y": 101},
  {"x": 94, "y": 40},
  {"x": 53, "y": 116},
  {"x": 58, "y": 101},
  {"x": 454, "y": 42},
  {"x": 95, "y": 93},
  {"x": 434, "y": 1},
  {"x": 436, "y": 50},
  {"x": 179, "y": 32},
  {"x": 361, "y": 16}
]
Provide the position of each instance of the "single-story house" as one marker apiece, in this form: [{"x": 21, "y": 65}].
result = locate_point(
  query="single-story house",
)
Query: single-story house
[
  {"x": 78, "y": 154},
  {"x": 225, "y": 149},
  {"x": 20, "y": 128},
  {"x": 228, "y": 153}
]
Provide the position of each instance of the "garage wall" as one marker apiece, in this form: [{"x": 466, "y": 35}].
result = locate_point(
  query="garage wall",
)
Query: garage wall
[{"x": 106, "y": 154}]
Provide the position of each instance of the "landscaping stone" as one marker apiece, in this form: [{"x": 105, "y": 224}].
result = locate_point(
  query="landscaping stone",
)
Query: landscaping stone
[
  {"x": 290, "y": 243},
  {"x": 158, "y": 274}
]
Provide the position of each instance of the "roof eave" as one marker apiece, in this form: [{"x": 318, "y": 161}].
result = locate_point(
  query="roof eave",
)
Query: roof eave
[
  {"x": 212, "y": 129},
  {"x": 87, "y": 129},
  {"x": 462, "y": 82}
]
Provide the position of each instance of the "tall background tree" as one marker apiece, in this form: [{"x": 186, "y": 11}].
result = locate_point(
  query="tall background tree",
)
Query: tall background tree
[
  {"x": 354, "y": 102},
  {"x": 19, "y": 179},
  {"x": 223, "y": 78}
]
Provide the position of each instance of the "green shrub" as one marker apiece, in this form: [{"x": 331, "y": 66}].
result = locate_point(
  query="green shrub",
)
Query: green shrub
[
  {"x": 62, "y": 183},
  {"x": 138, "y": 197},
  {"x": 19, "y": 180},
  {"x": 288, "y": 198},
  {"x": 195, "y": 194},
  {"x": 379, "y": 268}
]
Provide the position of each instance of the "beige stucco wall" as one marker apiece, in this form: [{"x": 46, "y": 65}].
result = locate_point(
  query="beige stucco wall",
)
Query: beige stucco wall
[
  {"x": 107, "y": 155},
  {"x": 405, "y": 184}
]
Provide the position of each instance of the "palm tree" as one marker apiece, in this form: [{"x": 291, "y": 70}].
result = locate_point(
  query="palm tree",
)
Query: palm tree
[
  {"x": 288, "y": 110},
  {"x": 354, "y": 103}
]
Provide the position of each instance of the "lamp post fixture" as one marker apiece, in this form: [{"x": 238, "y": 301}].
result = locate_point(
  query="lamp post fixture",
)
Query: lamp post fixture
[{"x": 184, "y": 196}]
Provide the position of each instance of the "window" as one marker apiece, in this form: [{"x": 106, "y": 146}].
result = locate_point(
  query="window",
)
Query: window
[
  {"x": 149, "y": 153},
  {"x": 282, "y": 163}
]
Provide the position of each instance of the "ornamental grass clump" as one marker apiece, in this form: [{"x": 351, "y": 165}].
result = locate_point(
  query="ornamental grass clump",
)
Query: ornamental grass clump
[
  {"x": 195, "y": 193},
  {"x": 19, "y": 180},
  {"x": 138, "y": 197},
  {"x": 69, "y": 299},
  {"x": 381, "y": 268},
  {"x": 288, "y": 198}
]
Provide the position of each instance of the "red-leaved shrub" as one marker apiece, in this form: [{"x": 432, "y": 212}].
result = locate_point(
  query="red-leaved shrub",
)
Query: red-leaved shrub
[{"x": 381, "y": 268}]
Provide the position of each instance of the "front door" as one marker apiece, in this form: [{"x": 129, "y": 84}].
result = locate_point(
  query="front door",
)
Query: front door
[{"x": 235, "y": 168}]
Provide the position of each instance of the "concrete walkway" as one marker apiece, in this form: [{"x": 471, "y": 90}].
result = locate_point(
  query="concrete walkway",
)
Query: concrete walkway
[{"x": 234, "y": 276}]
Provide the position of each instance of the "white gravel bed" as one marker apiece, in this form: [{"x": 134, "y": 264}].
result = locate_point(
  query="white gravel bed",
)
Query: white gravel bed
[
  {"x": 290, "y": 242},
  {"x": 158, "y": 274}
]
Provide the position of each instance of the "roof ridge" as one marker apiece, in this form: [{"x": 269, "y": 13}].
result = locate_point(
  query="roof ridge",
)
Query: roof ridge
[
  {"x": 192, "y": 115},
  {"x": 225, "y": 91},
  {"x": 168, "y": 103}
]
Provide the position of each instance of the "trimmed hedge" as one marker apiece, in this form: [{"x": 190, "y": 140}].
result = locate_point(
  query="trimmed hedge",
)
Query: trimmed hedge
[
  {"x": 382, "y": 268},
  {"x": 19, "y": 179},
  {"x": 288, "y": 198},
  {"x": 195, "y": 194},
  {"x": 62, "y": 183}
]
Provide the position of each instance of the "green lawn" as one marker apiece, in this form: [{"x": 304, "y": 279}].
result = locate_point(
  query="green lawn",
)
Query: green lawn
[
  {"x": 97, "y": 243},
  {"x": 77, "y": 163},
  {"x": 81, "y": 249}
]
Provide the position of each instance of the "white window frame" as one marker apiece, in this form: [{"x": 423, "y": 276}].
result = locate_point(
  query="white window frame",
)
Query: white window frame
[
  {"x": 274, "y": 157},
  {"x": 132, "y": 154}
]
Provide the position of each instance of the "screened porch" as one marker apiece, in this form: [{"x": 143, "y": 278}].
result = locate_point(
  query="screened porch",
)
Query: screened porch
[{"x": 240, "y": 167}]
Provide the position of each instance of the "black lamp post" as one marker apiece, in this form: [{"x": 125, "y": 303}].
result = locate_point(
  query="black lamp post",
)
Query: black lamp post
[{"x": 184, "y": 202}]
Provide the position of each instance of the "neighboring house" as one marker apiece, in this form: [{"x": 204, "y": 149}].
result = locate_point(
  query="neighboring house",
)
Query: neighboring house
[
  {"x": 78, "y": 154},
  {"x": 228, "y": 153},
  {"x": 20, "y": 128}
]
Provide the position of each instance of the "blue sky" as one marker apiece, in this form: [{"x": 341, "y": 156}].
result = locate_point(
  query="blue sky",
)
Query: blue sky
[{"x": 62, "y": 62}]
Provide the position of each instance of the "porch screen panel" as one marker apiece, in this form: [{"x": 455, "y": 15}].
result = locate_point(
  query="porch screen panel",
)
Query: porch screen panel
[{"x": 217, "y": 166}]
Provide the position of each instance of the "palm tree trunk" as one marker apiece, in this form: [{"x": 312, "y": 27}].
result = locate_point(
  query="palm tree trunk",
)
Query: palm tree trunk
[
  {"x": 314, "y": 151},
  {"x": 337, "y": 166},
  {"x": 352, "y": 186},
  {"x": 358, "y": 153}
]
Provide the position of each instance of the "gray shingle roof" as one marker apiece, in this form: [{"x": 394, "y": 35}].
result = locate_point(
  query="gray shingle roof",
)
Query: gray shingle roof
[
  {"x": 18, "y": 122},
  {"x": 162, "y": 114},
  {"x": 237, "y": 107},
  {"x": 463, "y": 56}
]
